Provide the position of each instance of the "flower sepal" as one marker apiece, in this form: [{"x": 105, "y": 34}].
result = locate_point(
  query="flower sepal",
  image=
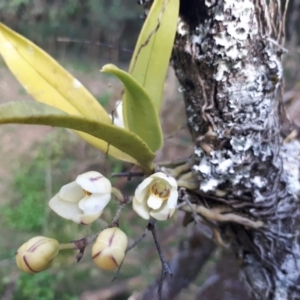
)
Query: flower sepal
[
  {"x": 109, "y": 248},
  {"x": 37, "y": 254}
]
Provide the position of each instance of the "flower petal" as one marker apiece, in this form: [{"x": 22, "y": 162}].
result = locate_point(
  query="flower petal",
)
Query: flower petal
[
  {"x": 170, "y": 180},
  {"x": 94, "y": 182},
  {"x": 172, "y": 201},
  {"x": 82, "y": 201},
  {"x": 63, "y": 208},
  {"x": 94, "y": 203},
  {"x": 164, "y": 213},
  {"x": 86, "y": 219},
  {"x": 141, "y": 209},
  {"x": 35, "y": 263},
  {"x": 71, "y": 192},
  {"x": 154, "y": 202},
  {"x": 142, "y": 191}
]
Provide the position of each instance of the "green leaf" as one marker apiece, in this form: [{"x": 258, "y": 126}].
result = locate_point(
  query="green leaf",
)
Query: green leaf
[
  {"x": 139, "y": 112},
  {"x": 150, "y": 60},
  {"x": 45, "y": 79},
  {"x": 50, "y": 83},
  {"x": 30, "y": 112}
]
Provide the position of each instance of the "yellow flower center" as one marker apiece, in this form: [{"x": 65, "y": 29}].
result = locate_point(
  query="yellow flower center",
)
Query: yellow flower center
[
  {"x": 87, "y": 193},
  {"x": 161, "y": 190}
]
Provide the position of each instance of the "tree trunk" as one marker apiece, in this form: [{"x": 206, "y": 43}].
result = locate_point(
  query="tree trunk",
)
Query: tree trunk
[{"x": 227, "y": 59}]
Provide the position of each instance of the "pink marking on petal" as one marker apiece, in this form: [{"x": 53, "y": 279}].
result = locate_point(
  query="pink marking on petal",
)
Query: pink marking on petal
[
  {"x": 36, "y": 245},
  {"x": 97, "y": 254},
  {"x": 113, "y": 259},
  {"x": 111, "y": 240},
  {"x": 96, "y": 178},
  {"x": 26, "y": 263}
]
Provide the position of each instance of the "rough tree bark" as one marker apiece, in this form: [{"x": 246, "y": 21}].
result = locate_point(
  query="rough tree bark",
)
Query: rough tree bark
[{"x": 227, "y": 59}]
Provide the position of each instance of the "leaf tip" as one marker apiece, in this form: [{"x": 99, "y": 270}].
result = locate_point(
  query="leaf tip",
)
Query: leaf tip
[{"x": 108, "y": 68}]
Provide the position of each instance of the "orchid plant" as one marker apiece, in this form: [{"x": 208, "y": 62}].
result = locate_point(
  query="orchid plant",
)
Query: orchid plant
[{"x": 132, "y": 134}]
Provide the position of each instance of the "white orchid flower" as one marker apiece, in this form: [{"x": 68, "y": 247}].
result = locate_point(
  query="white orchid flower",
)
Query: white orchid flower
[
  {"x": 156, "y": 196},
  {"x": 84, "y": 199},
  {"x": 118, "y": 115}
]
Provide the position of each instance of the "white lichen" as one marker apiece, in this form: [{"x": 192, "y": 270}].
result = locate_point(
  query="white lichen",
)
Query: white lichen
[
  {"x": 204, "y": 167},
  {"x": 290, "y": 154},
  {"x": 209, "y": 185},
  {"x": 223, "y": 68},
  {"x": 241, "y": 143},
  {"x": 182, "y": 28},
  {"x": 258, "y": 182},
  {"x": 225, "y": 167}
]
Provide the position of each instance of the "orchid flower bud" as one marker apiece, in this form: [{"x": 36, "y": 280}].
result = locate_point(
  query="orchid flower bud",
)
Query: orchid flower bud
[
  {"x": 84, "y": 199},
  {"x": 156, "y": 196},
  {"x": 37, "y": 254},
  {"x": 109, "y": 249}
]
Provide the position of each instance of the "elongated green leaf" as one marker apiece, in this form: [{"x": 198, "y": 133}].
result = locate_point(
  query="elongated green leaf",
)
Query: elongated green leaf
[
  {"x": 27, "y": 112},
  {"x": 49, "y": 83},
  {"x": 105, "y": 148},
  {"x": 150, "y": 60},
  {"x": 139, "y": 112},
  {"x": 45, "y": 79}
]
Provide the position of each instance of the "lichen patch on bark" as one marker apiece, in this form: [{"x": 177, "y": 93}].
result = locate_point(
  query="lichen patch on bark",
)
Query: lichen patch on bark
[{"x": 227, "y": 60}]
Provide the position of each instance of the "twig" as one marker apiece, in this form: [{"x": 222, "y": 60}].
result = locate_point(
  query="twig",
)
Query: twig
[
  {"x": 282, "y": 24},
  {"x": 129, "y": 174},
  {"x": 173, "y": 163},
  {"x": 165, "y": 266},
  {"x": 115, "y": 220},
  {"x": 192, "y": 255},
  {"x": 195, "y": 215}
]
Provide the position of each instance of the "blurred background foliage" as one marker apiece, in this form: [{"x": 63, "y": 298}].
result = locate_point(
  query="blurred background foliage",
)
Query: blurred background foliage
[
  {"x": 114, "y": 23},
  {"x": 36, "y": 161}
]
